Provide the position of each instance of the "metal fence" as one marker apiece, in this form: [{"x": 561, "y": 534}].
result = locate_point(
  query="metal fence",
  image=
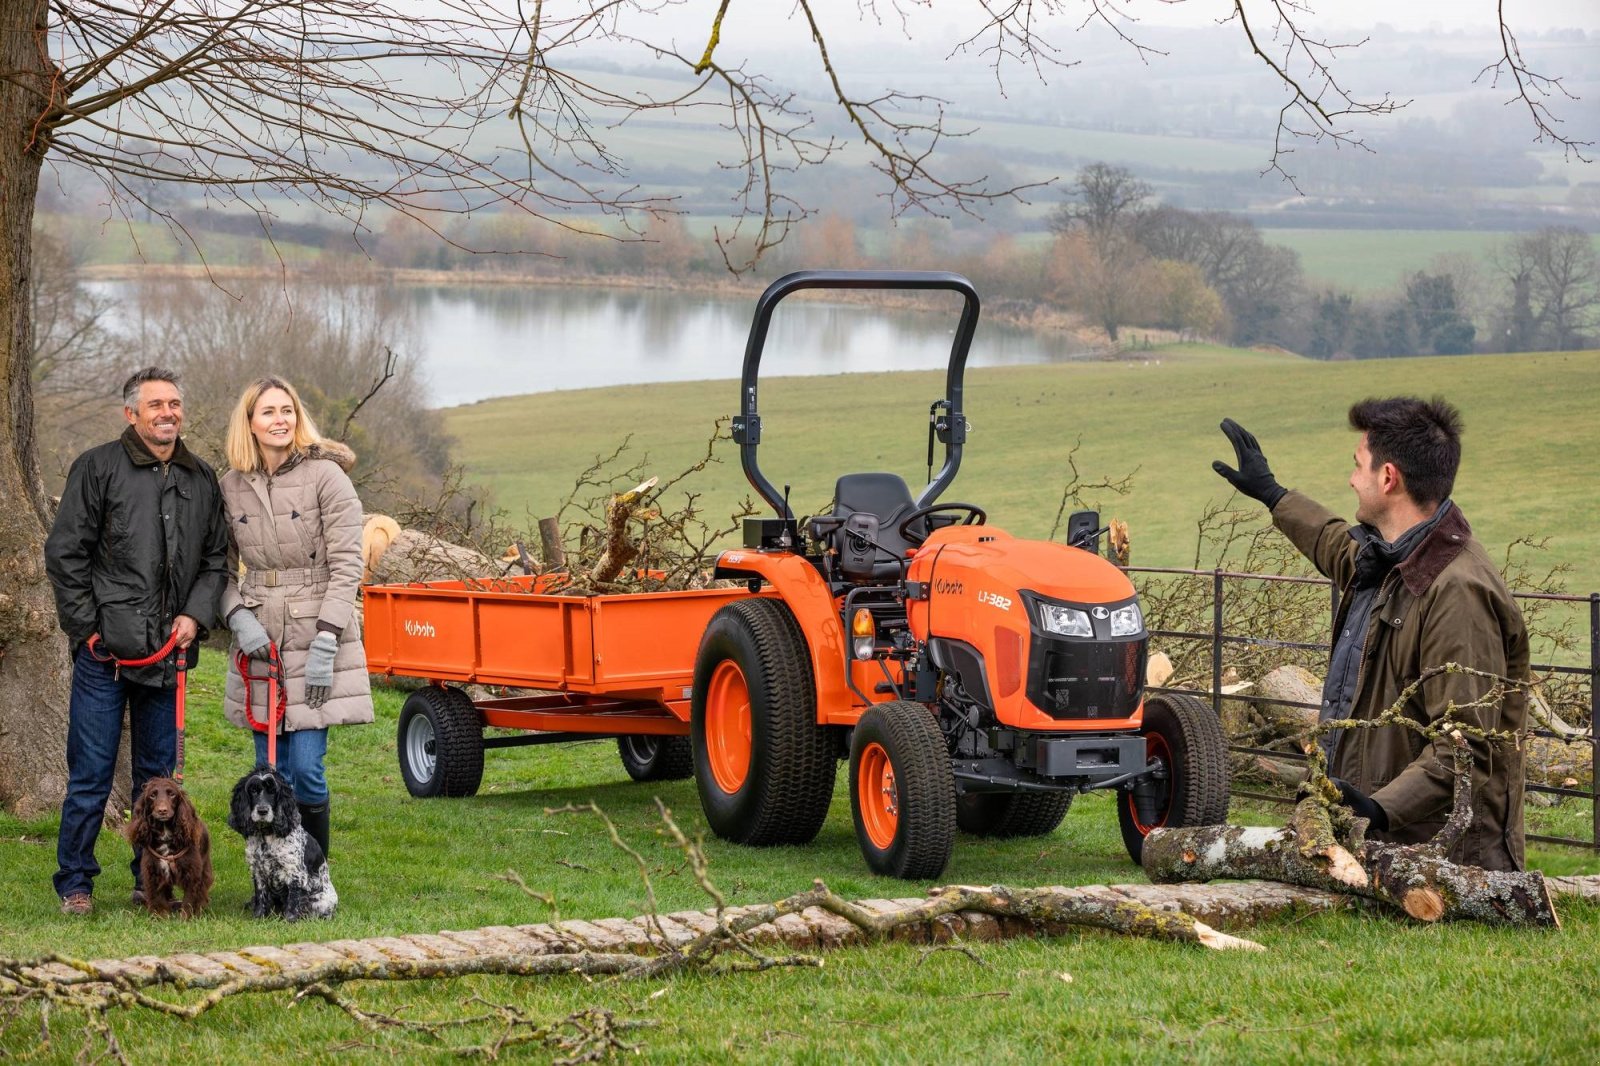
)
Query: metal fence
[{"x": 1219, "y": 639}]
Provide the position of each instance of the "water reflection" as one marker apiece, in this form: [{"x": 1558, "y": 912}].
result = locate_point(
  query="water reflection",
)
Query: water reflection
[{"x": 483, "y": 341}]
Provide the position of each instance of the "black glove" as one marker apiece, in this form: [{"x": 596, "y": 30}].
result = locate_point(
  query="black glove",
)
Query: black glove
[
  {"x": 1363, "y": 805},
  {"x": 1253, "y": 478}
]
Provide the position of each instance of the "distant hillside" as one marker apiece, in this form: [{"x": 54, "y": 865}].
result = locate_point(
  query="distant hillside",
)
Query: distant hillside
[{"x": 1530, "y": 444}]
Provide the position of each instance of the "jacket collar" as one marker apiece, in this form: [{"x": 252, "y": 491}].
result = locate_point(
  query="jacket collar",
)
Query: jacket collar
[
  {"x": 141, "y": 455},
  {"x": 1438, "y": 549}
]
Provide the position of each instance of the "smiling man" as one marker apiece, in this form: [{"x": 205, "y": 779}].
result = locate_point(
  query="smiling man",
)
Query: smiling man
[
  {"x": 137, "y": 556},
  {"x": 1416, "y": 592}
]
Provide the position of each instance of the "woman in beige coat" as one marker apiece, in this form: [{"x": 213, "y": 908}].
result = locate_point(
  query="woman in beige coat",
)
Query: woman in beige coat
[{"x": 294, "y": 529}]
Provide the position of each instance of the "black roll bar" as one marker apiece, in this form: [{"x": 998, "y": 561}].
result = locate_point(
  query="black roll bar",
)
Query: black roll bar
[{"x": 952, "y": 431}]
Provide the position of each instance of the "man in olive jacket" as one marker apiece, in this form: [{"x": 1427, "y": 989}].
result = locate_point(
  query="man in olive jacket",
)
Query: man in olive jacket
[
  {"x": 1417, "y": 591},
  {"x": 137, "y": 555}
]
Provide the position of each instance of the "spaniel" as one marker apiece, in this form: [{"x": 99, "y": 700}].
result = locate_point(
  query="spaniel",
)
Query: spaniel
[
  {"x": 287, "y": 866},
  {"x": 175, "y": 849}
]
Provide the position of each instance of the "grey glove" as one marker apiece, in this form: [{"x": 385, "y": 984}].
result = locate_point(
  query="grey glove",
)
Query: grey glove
[
  {"x": 248, "y": 634},
  {"x": 319, "y": 668}
]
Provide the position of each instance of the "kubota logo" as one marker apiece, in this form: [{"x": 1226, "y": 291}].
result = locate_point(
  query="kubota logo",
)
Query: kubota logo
[
  {"x": 419, "y": 629},
  {"x": 946, "y": 585},
  {"x": 1002, "y": 602}
]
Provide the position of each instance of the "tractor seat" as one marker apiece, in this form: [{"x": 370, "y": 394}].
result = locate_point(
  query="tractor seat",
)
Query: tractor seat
[{"x": 885, "y": 498}]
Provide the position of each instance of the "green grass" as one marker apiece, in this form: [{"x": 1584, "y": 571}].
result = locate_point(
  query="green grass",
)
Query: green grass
[
  {"x": 1379, "y": 260},
  {"x": 1361, "y": 988},
  {"x": 1529, "y": 445}
]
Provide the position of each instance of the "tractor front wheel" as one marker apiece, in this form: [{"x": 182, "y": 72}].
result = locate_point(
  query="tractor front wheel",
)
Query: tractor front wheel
[
  {"x": 440, "y": 742},
  {"x": 902, "y": 793},
  {"x": 763, "y": 766},
  {"x": 648, "y": 758},
  {"x": 1186, "y": 736}
]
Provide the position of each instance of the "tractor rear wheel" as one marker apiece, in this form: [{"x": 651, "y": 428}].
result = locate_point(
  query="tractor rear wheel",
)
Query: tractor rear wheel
[
  {"x": 763, "y": 766},
  {"x": 648, "y": 758},
  {"x": 440, "y": 743},
  {"x": 1184, "y": 733},
  {"x": 902, "y": 793},
  {"x": 1011, "y": 814}
]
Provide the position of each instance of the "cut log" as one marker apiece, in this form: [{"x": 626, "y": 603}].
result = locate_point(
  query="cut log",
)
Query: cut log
[
  {"x": 417, "y": 556},
  {"x": 1293, "y": 684},
  {"x": 618, "y": 550}
]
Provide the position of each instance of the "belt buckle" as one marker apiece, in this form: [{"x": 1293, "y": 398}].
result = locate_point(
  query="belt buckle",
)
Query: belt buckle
[{"x": 269, "y": 579}]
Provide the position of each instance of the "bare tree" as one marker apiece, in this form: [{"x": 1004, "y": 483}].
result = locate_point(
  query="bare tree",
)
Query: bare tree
[
  {"x": 1563, "y": 284},
  {"x": 1101, "y": 200}
]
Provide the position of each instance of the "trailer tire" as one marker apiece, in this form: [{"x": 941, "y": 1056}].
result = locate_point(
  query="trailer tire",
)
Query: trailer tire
[
  {"x": 440, "y": 743},
  {"x": 1187, "y": 735},
  {"x": 902, "y": 793},
  {"x": 650, "y": 758},
  {"x": 763, "y": 766},
  {"x": 1011, "y": 814}
]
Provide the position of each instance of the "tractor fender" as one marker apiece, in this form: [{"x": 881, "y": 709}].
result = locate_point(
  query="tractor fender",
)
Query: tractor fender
[{"x": 796, "y": 582}]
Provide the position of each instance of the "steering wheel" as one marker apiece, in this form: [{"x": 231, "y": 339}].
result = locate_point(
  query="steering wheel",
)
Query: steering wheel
[{"x": 975, "y": 516}]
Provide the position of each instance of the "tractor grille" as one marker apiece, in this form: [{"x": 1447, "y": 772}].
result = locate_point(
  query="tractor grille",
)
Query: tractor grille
[{"x": 1084, "y": 678}]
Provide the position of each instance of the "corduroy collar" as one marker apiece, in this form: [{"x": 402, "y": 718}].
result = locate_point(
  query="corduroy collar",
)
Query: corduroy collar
[{"x": 1446, "y": 540}]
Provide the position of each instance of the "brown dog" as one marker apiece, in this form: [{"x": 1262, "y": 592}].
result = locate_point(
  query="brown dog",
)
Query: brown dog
[{"x": 177, "y": 848}]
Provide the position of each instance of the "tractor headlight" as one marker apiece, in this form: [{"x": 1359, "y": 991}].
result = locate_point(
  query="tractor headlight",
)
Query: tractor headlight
[
  {"x": 1064, "y": 621},
  {"x": 1126, "y": 621}
]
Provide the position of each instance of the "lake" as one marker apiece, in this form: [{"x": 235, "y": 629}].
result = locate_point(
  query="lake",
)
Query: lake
[{"x": 476, "y": 342}]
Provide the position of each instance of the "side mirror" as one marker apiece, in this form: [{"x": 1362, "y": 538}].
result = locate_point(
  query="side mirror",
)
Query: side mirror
[{"x": 1083, "y": 530}]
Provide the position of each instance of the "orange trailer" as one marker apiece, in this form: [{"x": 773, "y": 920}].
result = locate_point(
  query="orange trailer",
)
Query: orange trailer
[
  {"x": 973, "y": 680},
  {"x": 612, "y": 666}
]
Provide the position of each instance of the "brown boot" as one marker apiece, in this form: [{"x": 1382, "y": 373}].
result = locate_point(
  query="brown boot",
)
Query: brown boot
[{"x": 77, "y": 904}]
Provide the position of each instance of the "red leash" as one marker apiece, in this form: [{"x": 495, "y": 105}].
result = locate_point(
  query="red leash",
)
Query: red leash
[
  {"x": 277, "y": 698},
  {"x": 151, "y": 660}
]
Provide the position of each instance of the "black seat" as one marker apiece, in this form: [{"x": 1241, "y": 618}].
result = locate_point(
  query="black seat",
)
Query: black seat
[{"x": 885, "y": 498}]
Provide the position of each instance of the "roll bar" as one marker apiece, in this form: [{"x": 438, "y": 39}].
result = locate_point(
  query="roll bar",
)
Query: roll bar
[{"x": 952, "y": 430}]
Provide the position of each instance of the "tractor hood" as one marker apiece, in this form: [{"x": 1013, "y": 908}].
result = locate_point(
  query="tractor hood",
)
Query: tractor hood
[{"x": 991, "y": 562}]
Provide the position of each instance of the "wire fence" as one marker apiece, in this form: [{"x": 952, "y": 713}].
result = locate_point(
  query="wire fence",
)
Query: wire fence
[{"x": 1575, "y": 671}]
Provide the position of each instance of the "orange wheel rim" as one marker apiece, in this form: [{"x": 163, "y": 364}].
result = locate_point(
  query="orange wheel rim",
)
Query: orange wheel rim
[
  {"x": 876, "y": 796},
  {"x": 728, "y": 726},
  {"x": 1155, "y": 746}
]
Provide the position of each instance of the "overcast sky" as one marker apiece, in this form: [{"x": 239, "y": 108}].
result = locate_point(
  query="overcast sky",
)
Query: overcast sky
[{"x": 931, "y": 16}]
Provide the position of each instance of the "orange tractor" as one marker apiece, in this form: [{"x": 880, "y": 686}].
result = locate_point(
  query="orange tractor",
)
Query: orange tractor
[{"x": 974, "y": 680}]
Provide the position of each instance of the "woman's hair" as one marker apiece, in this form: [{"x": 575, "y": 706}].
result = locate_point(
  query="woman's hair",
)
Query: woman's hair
[{"x": 244, "y": 453}]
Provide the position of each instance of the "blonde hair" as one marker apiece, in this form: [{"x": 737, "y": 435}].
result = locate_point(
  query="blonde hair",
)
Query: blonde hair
[{"x": 243, "y": 450}]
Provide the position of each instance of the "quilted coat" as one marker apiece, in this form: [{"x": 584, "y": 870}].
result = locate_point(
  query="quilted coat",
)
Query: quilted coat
[{"x": 295, "y": 560}]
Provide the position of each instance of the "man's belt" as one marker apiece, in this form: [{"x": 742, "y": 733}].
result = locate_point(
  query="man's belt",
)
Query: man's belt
[{"x": 273, "y": 578}]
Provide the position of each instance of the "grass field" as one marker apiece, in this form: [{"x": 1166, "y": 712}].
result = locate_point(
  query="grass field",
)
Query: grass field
[
  {"x": 1530, "y": 443},
  {"x": 1379, "y": 260},
  {"x": 1354, "y": 988}
]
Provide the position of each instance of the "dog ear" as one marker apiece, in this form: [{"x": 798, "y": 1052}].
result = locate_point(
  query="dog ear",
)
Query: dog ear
[
  {"x": 239, "y": 806},
  {"x": 286, "y": 813}
]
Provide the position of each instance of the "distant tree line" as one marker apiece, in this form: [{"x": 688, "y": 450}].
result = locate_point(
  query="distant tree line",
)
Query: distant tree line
[{"x": 1114, "y": 255}]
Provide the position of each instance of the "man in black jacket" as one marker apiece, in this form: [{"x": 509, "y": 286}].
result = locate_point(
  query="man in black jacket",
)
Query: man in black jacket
[{"x": 138, "y": 556}]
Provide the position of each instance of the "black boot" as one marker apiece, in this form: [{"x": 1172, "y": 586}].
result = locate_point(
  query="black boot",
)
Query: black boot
[{"x": 315, "y": 821}]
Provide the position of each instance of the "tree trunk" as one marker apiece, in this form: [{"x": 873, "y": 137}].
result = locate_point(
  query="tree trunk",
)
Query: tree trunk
[{"x": 34, "y": 673}]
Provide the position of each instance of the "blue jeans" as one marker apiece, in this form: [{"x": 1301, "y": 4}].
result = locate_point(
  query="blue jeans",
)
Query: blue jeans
[
  {"x": 300, "y": 756},
  {"x": 94, "y": 732}
]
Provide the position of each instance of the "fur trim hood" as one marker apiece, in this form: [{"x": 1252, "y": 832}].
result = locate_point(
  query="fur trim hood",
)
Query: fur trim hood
[{"x": 334, "y": 450}]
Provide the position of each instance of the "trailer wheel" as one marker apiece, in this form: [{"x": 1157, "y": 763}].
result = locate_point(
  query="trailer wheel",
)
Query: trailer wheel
[
  {"x": 763, "y": 766},
  {"x": 1185, "y": 734},
  {"x": 440, "y": 742},
  {"x": 649, "y": 758},
  {"x": 1011, "y": 814},
  {"x": 902, "y": 793}
]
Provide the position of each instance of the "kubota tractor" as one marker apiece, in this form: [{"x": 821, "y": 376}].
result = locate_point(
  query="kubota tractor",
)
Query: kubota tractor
[{"x": 974, "y": 679}]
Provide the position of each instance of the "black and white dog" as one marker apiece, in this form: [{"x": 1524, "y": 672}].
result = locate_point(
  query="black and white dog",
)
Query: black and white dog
[{"x": 287, "y": 866}]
